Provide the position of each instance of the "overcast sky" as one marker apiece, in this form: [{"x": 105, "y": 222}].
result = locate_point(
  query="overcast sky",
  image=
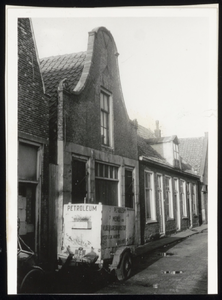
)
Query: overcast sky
[{"x": 163, "y": 62}]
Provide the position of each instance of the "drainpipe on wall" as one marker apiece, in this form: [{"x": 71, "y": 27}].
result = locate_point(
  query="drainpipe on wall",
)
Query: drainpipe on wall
[{"x": 60, "y": 162}]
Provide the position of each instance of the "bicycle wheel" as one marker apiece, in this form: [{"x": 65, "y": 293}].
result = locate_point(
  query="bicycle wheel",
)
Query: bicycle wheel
[{"x": 33, "y": 282}]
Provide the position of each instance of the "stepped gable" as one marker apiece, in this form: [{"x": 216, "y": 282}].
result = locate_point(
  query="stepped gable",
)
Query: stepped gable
[
  {"x": 56, "y": 68},
  {"x": 191, "y": 150}
]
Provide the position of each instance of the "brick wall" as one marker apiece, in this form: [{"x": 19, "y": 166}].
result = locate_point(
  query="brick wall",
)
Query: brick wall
[
  {"x": 33, "y": 112},
  {"x": 32, "y": 104},
  {"x": 83, "y": 111}
]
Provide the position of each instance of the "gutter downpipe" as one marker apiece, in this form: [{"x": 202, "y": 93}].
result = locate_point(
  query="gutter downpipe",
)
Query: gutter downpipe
[{"x": 60, "y": 163}]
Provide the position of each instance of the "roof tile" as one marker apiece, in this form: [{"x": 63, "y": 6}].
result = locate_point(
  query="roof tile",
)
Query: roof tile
[{"x": 56, "y": 68}]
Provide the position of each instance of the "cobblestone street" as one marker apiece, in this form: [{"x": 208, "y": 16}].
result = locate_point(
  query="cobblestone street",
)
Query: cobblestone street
[{"x": 184, "y": 271}]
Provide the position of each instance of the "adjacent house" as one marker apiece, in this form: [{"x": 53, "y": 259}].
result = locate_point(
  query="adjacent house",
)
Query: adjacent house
[
  {"x": 195, "y": 152},
  {"x": 169, "y": 188},
  {"x": 32, "y": 142},
  {"x": 93, "y": 143}
]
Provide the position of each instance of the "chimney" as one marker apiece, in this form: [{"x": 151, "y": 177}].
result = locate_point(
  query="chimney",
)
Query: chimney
[{"x": 157, "y": 131}]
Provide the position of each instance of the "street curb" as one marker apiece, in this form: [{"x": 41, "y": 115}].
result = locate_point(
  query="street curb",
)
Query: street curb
[{"x": 165, "y": 241}]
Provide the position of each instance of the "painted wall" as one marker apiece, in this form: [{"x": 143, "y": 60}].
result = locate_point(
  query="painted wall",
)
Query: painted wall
[
  {"x": 152, "y": 229},
  {"x": 166, "y": 151}
]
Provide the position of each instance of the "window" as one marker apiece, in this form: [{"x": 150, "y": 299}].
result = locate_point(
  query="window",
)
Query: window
[
  {"x": 194, "y": 198},
  {"x": 129, "y": 188},
  {"x": 176, "y": 155},
  {"x": 28, "y": 174},
  {"x": 183, "y": 197},
  {"x": 106, "y": 119},
  {"x": 169, "y": 197},
  {"x": 27, "y": 168},
  {"x": 150, "y": 208},
  {"x": 79, "y": 181},
  {"x": 106, "y": 184}
]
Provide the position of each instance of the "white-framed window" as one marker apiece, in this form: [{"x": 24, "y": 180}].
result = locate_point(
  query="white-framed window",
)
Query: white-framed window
[
  {"x": 169, "y": 197},
  {"x": 106, "y": 180},
  {"x": 106, "y": 116},
  {"x": 176, "y": 155},
  {"x": 183, "y": 197},
  {"x": 150, "y": 205},
  {"x": 194, "y": 198}
]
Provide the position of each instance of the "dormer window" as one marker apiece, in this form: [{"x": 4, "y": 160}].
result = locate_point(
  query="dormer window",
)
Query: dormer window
[
  {"x": 106, "y": 118},
  {"x": 176, "y": 155}
]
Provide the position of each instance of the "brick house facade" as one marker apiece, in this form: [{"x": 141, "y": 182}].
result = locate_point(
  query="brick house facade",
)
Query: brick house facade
[
  {"x": 32, "y": 142},
  {"x": 93, "y": 142}
]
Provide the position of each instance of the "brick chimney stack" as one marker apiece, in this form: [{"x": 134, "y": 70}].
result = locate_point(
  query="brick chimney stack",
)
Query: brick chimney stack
[{"x": 157, "y": 131}]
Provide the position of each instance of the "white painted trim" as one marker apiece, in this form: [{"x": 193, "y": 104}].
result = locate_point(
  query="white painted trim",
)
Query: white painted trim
[
  {"x": 177, "y": 193},
  {"x": 171, "y": 197},
  {"x": 162, "y": 204},
  {"x": 153, "y": 202}
]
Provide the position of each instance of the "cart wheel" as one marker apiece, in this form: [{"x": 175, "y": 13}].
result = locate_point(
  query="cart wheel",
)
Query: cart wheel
[
  {"x": 125, "y": 268},
  {"x": 33, "y": 282}
]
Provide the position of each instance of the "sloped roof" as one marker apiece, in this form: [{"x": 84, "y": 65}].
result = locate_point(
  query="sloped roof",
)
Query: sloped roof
[
  {"x": 147, "y": 151},
  {"x": 144, "y": 149},
  {"x": 191, "y": 149},
  {"x": 160, "y": 140},
  {"x": 56, "y": 68},
  {"x": 145, "y": 132}
]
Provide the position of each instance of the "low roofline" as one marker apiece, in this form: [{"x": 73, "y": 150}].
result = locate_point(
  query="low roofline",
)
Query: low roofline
[{"x": 146, "y": 159}]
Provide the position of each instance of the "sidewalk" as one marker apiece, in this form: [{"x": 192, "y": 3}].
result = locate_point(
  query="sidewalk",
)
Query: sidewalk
[{"x": 151, "y": 246}]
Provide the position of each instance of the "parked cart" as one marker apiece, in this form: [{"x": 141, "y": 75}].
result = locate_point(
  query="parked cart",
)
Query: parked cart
[{"x": 100, "y": 236}]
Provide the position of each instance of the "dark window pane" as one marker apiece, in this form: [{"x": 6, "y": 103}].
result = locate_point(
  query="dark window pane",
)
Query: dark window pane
[
  {"x": 27, "y": 166},
  {"x": 107, "y": 192}
]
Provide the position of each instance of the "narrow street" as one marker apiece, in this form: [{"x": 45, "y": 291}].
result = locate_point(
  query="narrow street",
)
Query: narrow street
[{"x": 183, "y": 270}]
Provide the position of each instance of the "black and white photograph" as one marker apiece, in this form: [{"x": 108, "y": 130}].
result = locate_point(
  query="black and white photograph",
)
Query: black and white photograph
[{"x": 111, "y": 158}]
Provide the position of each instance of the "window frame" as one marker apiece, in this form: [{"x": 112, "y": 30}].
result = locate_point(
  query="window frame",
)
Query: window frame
[
  {"x": 153, "y": 217},
  {"x": 35, "y": 183},
  {"x": 183, "y": 194},
  {"x": 108, "y": 112},
  {"x": 194, "y": 198},
  {"x": 115, "y": 179},
  {"x": 169, "y": 197}
]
